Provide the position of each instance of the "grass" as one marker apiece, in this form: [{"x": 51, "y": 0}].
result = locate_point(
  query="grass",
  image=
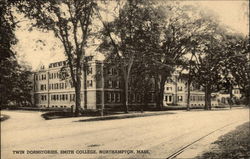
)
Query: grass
[
  {"x": 93, "y": 116},
  {"x": 124, "y": 116},
  {"x": 233, "y": 145}
]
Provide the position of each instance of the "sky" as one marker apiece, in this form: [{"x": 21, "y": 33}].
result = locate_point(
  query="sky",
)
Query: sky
[{"x": 37, "y": 48}]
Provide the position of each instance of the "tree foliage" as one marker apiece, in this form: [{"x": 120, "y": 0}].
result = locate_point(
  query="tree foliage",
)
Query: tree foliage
[{"x": 70, "y": 21}]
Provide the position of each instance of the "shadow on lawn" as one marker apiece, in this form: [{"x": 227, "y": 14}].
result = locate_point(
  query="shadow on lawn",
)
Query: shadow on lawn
[{"x": 232, "y": 145}]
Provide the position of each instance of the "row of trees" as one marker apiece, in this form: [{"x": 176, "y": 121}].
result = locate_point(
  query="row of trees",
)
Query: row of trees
[
  {"x": 150, "y": 41},
  {"x": 147, "y": 40}
]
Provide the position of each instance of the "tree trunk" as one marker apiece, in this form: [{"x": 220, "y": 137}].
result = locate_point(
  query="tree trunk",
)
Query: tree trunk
[
  {"x": 126, "y": 75},
  {"x": 247, "y": 95},
  {"x": 126, "y": 94},
  {"x": 189, "y": 81},
  {"x": 209, "y": 101},
  {"x": 207, "y": 97},
  {"x": 156, "y": 89},
  {"x": 231, "y": 95},
  {"x": 145, "y": 101},
  {"x": 161, "y": 93},
  {"x": 188, "y": 93},
  {"x": 85, "y": 85},
  {"x": 176, "y": 90},
  {"x": 78, "y": 97}
]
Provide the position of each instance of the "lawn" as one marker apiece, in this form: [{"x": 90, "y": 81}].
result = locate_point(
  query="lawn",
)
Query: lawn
[{"x": 233, "y": 145}]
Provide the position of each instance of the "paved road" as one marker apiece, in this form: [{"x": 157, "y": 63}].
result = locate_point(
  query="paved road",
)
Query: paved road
[{"x": 158, "y": 136}]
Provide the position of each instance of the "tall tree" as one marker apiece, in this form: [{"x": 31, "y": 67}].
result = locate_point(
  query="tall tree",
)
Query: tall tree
[
  {"x": 8, "y": 61},
  {"x": 178, "y": 28},
  {"x": 208, "y": 65},
  {"x": 70, "y": 21},
  {"x": 237, "y": 63},
  {"x": 128, "y": 36}
]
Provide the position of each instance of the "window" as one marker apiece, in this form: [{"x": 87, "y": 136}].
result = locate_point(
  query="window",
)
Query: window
[
  {"x": 89, "y": 70},
  {"x": 169, "y": 88},
  {"x": 43, "y": 97},
  {"x": 116, "y": 84},
  {"x": 166, "y": 98},
  {"x": 180, "y": 88},
  {"x": 71, "y": 84},
  {"x": 118, "y": 97},
  {"x": 133, "y": 97},
  {"x": 170, "y": 98},
  {"x": 109, "y": 97},
  {"x": 138, "y": 98},
  {"x": 113, "y": 97},
  {"x": 43, "y": 87},
  {"x": 89, "y": 83},
  {"x": 115, "y": 71},
  {"x": 180, "y": 98},
  {"x": 151, "y": 97},
  {"x": 72, "y": 97},
  {"x": 109, "y": 84},
  {"x": 43, "y": 76}
]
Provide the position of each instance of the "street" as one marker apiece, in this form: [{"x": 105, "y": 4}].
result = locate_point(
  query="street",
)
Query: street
[{"x": 144, "y": 137}]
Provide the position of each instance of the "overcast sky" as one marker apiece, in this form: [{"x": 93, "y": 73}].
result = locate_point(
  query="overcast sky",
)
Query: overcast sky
[{"x": 29, "y": 49}]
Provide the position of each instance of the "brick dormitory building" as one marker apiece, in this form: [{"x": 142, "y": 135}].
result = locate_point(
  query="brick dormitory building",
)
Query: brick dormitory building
[{"x": 104, "y": 88}]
